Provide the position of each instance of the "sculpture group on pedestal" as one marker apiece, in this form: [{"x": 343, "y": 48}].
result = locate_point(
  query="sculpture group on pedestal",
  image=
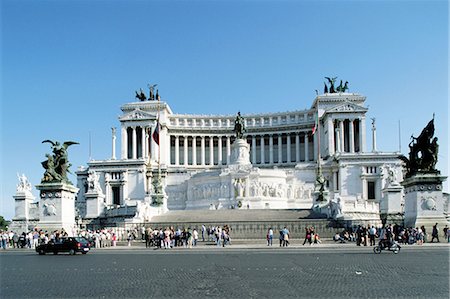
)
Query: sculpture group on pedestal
[
  {"x": 239, "y": 126},
  {"x": 332, "y": 89},
  {"x": 152, "y": 96},
  {"x": 93, "y": 182},
  {"x": 24, "y": 185},
  {"x": 57, "y": 165},
  {"x": 423, "y": 152}
]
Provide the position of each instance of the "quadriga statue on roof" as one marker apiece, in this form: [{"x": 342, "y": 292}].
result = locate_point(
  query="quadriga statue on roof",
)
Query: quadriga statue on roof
[
  {"x": 57, "y": 165},
  {"x": 343, "y": 87}
]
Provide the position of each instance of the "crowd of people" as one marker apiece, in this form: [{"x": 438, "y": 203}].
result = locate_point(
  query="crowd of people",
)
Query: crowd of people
[
  {"x": 367, "y": 235},
  {"x": 170, "y": 237},
  {"x": 30, "y": 239},
  {"x": 187, "y": 237}
]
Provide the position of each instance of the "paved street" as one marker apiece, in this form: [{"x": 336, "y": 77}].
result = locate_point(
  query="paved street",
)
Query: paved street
[{"x": 309, "y": 272}]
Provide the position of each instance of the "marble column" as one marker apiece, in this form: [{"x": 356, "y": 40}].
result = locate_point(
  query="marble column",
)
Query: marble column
[
  {"x": 306, "y": 147},
  {"x": 330, "y": 131},
  {"x": 143, "y": 142},
  {"x": 113, "y": 154},
  {"x": 185, "y": 150},
  {"x": 194, "y": 150},
  {"x": 341, "y": 129},
  {"x": 146, "y": 147},
  {"x": 177, "y": 150},
  {"x": 335, "y": 181},
  {"x": 297, "y": 147},
  {"x": 280, "y": 149},
  {"x": 124, "y": 140},
  {"x": 202, "y": 150},
  {"x": 362, "y": 135},
  {"x": 288, "y": 148},
  {"x": 253, "y": 149},
  {"x": 134, "y": 144},
  {"x": 263, "y": 147},
  {"x": 219, "y": 150},
  {"x": 271, "y": 149},
  {"x": 374, "y": 136},
  {"x": 228, "y": 150},
  {"x": 211, "y": 150},
  {"x": 338, "y": 140},
  {"x": 351, "y": 136}
]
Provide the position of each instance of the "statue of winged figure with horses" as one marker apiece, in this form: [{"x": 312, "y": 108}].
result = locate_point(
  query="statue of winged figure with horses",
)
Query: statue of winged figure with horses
[
  {"x": 423, "y": 154},
  {"x": 343, "y": 87}
]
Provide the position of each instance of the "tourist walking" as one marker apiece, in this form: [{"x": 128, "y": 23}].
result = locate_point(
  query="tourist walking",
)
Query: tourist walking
[
  {"x": 448, "y": 235},
  {"x": 372, "y": 235},
  {"x": 129, "y": 238},
  {"x": 445, "y": 231},
  {"x": 285, "y": 237},
  {"x": 203, "y": 232},
  {"x": 219, "y": 237},
  {"x": 166, "y": 239},
  {"x": 189, "y": 238},
  {"x": 424, "y": 233},
  {"x": 195, "y": 237},
  {"x": 269, "y": 236},
  {"x": 435, "y": 233},
  {"x": 4, "y": 237},
  {"x": 307, "y": 236}
]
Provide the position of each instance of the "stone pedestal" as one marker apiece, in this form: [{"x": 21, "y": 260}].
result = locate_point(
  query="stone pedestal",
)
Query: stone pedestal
[
  {"x": 240, "y": 152},
  {"x": 424, "y": 201},
  {"x": 391, "y": 208},
  {"x": 26, "y": 213},
  {"x": 57, "y": 207},
  {"x": 23, "y": 202},
  {"x": 95, "y": 204}
]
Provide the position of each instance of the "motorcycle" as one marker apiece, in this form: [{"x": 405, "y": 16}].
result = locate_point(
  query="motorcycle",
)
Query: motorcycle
[{"x": 384, "y": 245}]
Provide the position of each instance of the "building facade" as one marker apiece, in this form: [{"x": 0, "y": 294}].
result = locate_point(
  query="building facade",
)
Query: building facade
[{"x": 194, "y": 157}]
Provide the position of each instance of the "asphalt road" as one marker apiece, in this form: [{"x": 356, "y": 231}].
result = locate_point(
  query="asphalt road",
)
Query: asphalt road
[{"x": 228, "y": 273}]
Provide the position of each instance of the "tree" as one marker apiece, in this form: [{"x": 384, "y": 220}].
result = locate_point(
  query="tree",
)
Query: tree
[{"x": 3, "y": 223}]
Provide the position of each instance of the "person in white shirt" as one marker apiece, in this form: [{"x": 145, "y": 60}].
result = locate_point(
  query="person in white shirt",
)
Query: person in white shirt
[
  {"x": 269, "y": 237},
  {"x": 195, "y": 236}
]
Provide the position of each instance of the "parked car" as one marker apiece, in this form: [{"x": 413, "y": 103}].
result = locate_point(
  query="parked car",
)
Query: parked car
[{"x": 72, "y": 245}]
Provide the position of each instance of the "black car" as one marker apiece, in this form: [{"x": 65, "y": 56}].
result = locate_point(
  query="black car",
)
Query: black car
[{"x": 71, "y": 245}]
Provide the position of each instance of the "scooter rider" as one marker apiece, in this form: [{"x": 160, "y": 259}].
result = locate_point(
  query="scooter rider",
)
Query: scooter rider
[
  {"x": 386, "y": 237},
  {"x": 389, "y": 236}
]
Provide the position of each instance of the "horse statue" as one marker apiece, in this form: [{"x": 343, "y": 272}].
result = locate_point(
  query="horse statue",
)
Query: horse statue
[
  {"x": 342, "y": 88},
  {"x": 141, "y": 95},
  {"x": 239, "y": 126}
]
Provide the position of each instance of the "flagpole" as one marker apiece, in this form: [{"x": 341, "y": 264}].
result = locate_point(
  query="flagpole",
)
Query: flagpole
[
  {"x": 159, "y": 139},
  {"x": 318, "y": 135},
  {"x": 318, "y": 142},
  {"x": 399, "y": 138}
]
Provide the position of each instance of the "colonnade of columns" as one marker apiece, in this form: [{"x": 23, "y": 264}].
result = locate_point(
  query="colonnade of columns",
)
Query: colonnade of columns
[
  {"x": 136, "y": 142},
  {"x": 347, "y": 135},
  {"x": 276, "y": 148}
]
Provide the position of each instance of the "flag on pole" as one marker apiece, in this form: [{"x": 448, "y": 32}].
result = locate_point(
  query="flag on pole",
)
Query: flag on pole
[
  {"x": 156, "y": 133},
  {"x": 314, "y": 129}
]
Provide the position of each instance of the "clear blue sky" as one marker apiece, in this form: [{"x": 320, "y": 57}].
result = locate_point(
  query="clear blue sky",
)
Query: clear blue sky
[{"x": 68, "y": 66}]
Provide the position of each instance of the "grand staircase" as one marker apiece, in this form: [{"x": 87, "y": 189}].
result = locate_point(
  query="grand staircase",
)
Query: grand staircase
[{"x": 238, "y": 215}]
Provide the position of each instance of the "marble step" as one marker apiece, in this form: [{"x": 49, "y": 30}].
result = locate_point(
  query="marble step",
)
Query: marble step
[{"x": 227, "y": 215}]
